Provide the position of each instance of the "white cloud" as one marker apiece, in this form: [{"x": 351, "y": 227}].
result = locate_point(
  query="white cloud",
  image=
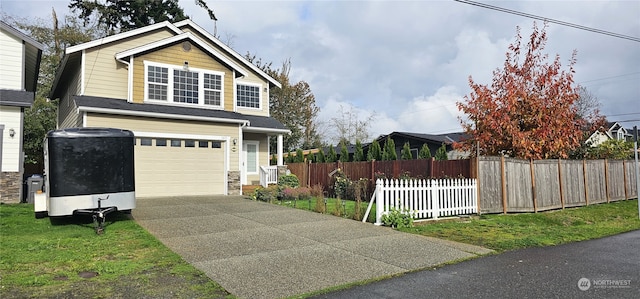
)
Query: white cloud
[{"x": 399, "y": 58}]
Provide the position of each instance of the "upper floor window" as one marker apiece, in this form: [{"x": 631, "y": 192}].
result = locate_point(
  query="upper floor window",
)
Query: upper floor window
[
  {"x": 248, "y": 96},
  {"x": 620, "y": 134},
  {"x": 178, "y": 84}
]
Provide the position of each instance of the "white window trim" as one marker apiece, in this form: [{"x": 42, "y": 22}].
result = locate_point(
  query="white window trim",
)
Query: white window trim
[
  {"x": 169, "y": 100},
  {"x": 235, "y": 94}
]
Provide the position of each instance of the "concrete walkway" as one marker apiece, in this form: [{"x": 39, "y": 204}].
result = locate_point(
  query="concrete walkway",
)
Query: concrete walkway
[{"x": 260, "y": 250}]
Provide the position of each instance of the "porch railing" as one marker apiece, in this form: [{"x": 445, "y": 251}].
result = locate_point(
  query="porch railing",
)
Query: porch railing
[{"x": 268, "y": 175}]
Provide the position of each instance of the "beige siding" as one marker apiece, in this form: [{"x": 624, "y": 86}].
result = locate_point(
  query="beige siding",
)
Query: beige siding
[
  {"x": 11, "y": 51},
  {"x": 176, "y": 56},
  {"x": 104, "y": 76},
  {"x": 142, "y": 124},
  {"x": 252, "y": 77},
  {"x": 10, "y": 118}
]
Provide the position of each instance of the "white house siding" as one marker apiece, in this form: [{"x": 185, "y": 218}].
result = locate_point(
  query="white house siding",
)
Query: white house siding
[
  {"x": 10, "y": 118},
  {"x": 11, "y": 50},
  {"x": 104, "y": 76}
]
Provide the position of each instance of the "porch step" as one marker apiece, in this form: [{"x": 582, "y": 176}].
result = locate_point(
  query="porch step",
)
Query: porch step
[{"x": 249, "y": 189}]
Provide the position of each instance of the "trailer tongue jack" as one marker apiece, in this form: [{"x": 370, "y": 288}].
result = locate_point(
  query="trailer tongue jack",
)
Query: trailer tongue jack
[{"x": 99, "y": 215}]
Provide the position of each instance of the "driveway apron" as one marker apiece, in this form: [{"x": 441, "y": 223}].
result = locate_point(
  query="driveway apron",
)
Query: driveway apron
[{"x": 260, "y": 250}]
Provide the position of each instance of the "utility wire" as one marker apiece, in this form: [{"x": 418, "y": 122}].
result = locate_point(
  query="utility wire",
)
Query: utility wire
[{"x": 523, "y": 14}]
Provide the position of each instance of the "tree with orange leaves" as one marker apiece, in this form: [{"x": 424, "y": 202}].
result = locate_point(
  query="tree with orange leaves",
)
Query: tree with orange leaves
[{"x": 528, "y": 110}]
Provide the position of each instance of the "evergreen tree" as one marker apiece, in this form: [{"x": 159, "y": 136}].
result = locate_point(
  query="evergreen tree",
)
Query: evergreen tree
[
  {"x": 344, "y": 153},
  {"x": 332, "y": 156},
  {"x": 406, "y": 152},
  {"x": 320, "y": 156},
  {"x": 425, "y": 152},
  {"x": 299, "y": 156},
  {"x": 441, "y": 154},
  {"x": 389, "y": 153},
  {"x": 375, "y": 153},
  {"x": 358, "y": 155}
]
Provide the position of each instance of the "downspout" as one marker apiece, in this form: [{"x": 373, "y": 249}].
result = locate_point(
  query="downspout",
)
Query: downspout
[{"x": 129, "y": 77}]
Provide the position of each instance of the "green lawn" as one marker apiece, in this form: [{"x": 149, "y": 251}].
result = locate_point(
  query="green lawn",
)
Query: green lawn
[
  {"x": 45, "y": 257},
  {"x": 514, "y": 231}
]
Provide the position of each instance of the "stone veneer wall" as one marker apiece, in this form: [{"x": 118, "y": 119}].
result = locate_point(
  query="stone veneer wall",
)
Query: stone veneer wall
[
  {"x": 282, "y": 170},
  {"x": 10, "y": 187},
  {"x": 233, "y": 183}
]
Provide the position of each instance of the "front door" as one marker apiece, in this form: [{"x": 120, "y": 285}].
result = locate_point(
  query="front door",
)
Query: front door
[{"x": 250, "y": 160}]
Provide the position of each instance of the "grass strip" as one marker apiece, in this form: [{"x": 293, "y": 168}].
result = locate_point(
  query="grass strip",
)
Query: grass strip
[
  {"x": 47, "y": 258},
  {"x": 514, "y": 231}
]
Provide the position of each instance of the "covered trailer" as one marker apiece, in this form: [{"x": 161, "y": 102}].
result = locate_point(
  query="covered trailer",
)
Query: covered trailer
[{"x": 87, "y": 170}]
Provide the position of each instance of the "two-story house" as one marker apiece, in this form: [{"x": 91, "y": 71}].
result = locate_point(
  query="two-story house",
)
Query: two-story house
[
  {"x": 198, "y": 109},
  {"x": 19, "y": 67},
  {"x": 612, "y": 130}
]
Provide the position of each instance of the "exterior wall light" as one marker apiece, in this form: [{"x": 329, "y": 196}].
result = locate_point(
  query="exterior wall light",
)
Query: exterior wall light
[{"x": 12, "y": 132}]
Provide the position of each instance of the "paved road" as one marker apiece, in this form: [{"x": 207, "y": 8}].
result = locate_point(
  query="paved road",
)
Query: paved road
[
  {"x": 550, "y": 272},
  {"x": 260, "y": 250}
]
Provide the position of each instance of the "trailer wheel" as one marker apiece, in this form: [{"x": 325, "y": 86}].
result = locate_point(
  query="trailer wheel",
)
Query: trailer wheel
[{"x": 40, "y": 215}]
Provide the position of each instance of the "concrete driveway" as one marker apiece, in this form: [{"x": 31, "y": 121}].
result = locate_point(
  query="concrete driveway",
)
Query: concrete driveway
[{"x": 260, "y": 250}]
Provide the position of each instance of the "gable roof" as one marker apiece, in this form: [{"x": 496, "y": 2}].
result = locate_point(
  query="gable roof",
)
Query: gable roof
[
  {"x": 77, "y": 49},
  {"x": 121, "y": 36},
  {"x": 442, "y": 138},
  {"x": 122, "y": 107},
  {"x": 229, "y": 50},
  {"x": 21, "y": 35},
  {"x": 175, "y": 39},
  {"x": 31, "y": 56}
]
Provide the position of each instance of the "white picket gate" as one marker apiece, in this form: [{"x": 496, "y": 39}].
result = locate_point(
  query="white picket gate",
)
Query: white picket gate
[{"x": 425, "y": 199}]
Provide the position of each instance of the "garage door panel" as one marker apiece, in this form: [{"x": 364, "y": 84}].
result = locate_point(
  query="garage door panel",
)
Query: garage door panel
[{"x": 174, "y": 171}]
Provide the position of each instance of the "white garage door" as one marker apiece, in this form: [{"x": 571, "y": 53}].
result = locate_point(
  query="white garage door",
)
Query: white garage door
[{"x": 179, "y": 167}]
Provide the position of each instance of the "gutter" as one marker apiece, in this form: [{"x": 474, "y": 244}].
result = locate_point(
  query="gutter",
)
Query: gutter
[{"x": 161, "y": 115}]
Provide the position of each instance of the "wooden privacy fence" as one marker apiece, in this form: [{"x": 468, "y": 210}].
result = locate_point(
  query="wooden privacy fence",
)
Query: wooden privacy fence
[
  {"x": 312, "y": 174},
  {"x": 514, "y": 185},
  {"x": 424, "y": 199}
]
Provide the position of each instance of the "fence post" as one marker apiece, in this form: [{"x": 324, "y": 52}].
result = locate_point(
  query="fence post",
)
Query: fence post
[
  {"x": 431, "y": 167},
  {"x": 560, "y": 182},
  {"x": 586, "y": 188},
  {"x": 533, "y": 186},
  {"x": 379, "y": 201},
  {"x": 606, "y": 179},
  {"x": 478, "y": 185},
  {"x": 504, "y": 185},
  {"x": 624, "y": 177},
  {"x": 435, "y": 189}
]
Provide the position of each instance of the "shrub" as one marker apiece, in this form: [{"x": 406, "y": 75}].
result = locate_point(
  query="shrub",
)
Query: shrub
[
  {"x": 268, "y": 194},
  {"x": 358, "y": 154},
  {"x": 441, "y": 153},
  {"x": 406, "y": 152},
  {"x": 289, "y": 193},
  {"x": 289, "y": 180},
  {"x": 425, "y": 152},
  {"x": 304, "y": 193},
  {"x": 318, "y": 193},
  {"x": 342, "y": 186},
  {"x": 375, "y": 153},
  {"x": 398, "y": 219}
]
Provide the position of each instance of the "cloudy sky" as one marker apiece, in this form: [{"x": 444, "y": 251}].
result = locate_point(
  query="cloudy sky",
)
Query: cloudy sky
[{"x": 406, "y": 63}]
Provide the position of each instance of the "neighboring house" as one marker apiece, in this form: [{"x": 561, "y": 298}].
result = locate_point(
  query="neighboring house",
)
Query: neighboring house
[
  {"x": 612, "y": 130},
  {"x": 198, "y": 109},
  {"x": 416, "y": 140},
  {"x": 19, "y": 67}
]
